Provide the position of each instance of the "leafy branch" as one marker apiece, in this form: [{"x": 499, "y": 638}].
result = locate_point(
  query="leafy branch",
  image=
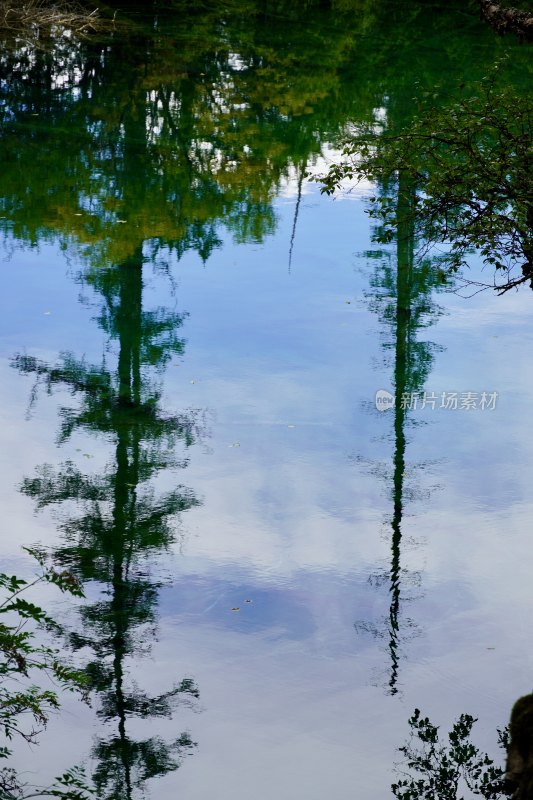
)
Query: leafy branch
[
  {"x": 470, "y": 163},
  {"x": 438, "y": 771},
  {"x": 24, "y": 656}
]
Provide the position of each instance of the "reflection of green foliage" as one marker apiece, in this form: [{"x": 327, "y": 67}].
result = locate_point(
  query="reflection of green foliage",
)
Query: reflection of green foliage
[
  {"x": 160, "y": 137},
  {"x": 401, "y": 295},
  {"x": 443, "y": 771},
  {"x": 147, "y": 759},
  {"x": 393, "y": 293},
  {"x": 471, "y": 163},
  {"x": 119, "y": 520},
  {"x": 155, "y": 141},
  {"x": 163, "y": 135}
]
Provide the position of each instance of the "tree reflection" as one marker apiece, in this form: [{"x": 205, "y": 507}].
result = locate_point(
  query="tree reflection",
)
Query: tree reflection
[
  {"x": 412, "y": 363},
  {"x": 120, "y": 522},
  {"x": 126, "y": 151},
  {"x": 401, "y": 295},
  {"x": 404, "y": 64}
]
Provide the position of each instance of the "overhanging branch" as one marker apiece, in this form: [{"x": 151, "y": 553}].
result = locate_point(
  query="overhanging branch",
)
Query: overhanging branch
[{"x": 508, "y": 20}]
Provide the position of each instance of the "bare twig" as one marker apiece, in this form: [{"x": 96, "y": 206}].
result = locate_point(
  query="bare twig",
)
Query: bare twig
[{"x": 19, "y": 18}]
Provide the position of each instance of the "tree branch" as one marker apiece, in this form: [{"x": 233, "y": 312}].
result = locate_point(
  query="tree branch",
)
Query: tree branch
[{"x": 507, "y": 20}]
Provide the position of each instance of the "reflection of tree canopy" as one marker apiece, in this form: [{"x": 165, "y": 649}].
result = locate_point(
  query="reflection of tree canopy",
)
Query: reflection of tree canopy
[
  {"x": 115, "y": 522},
  {"x": 195, "y": 118},
  {"x": 157, "y": 138}
]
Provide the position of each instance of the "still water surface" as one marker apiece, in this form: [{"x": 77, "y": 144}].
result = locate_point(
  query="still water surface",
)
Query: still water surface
[{"x": 192, "y": 337}]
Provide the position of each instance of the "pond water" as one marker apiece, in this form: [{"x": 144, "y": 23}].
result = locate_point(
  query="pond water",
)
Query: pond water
[{"x": 191, "y": 342}]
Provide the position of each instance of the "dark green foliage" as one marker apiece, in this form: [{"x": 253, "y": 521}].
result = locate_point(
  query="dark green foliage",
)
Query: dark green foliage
[
  {"x": 24, "y": 656},
  {"x": 438, "y": 771}
]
